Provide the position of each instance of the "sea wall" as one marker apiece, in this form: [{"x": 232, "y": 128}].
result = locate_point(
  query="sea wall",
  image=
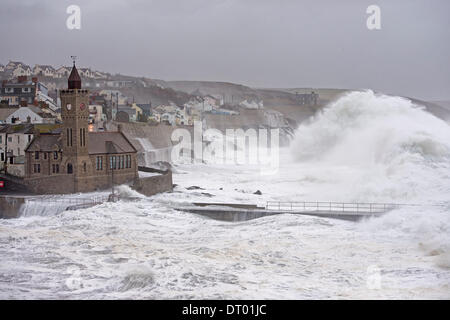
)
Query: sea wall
[
  {"x": 10, "y": 206},
  {"x": 63, "y": 184},
  {"x": 57, "y": 184},
  {"x": 152, "y": 185}
]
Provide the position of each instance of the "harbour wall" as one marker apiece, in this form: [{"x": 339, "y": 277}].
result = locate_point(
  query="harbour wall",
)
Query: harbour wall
[{"x": 10, "y": 206}]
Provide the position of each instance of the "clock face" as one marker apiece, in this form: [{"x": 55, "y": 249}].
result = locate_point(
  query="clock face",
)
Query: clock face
[
  {"x": 82, "y": 106},
  {"x": 69, "y": 106}
]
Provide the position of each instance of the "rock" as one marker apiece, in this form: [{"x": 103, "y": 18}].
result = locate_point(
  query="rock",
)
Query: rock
[
  {"x": 207, "y": 194},
  {"x": 194, "y": 188},
  {"x": 258, "y": 192}
]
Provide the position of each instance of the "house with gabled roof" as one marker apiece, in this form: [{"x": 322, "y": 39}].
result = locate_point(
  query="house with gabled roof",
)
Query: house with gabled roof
[
  {"x": 86, "y": 73},
  {"x": 62, "y": 72},
  {"x": 13, "y": 65},
  {"x": 21, "y": 70},
  {"x": 44, "y": 70}
]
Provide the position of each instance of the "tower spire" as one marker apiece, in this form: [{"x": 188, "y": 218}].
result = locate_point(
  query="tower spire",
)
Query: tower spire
[{"x": 74, "y": 81}]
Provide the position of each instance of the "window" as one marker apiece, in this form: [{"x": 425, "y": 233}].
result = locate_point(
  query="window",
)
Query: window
[
  {"x": 9, "y": 90},
  {"x": 36, "y": 155},
  {"x": 2, "y": 155},
  {"x": 18, "y": 139},
  {"x": 57, "y": 168},
  {"x": 129, "y": 161},
  {"x": 112, "y": 162},
  {"x": 37, "y": 168},
  {"x": 26, "y": 90},
  {"x": 55, "y": 155},
  {"x": 82, "y": 137},
  {"x": 45, "y": 155},
  {"x": 1, "y": 139},
  {"x": 99, "y": 163},
  {"x": 9, "y": 139},
  {"x": 69, "y": 168},
  {"x": 84, "y": 166},
  {"x": 29, "y": 138}
]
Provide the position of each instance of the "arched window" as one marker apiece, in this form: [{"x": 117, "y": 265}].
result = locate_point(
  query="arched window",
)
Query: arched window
[
  {"x": 84, "y": 166},
  {"x": 69, "y": 168}
]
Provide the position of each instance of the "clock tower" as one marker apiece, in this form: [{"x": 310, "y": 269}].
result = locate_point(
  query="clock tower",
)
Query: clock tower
[{"x": 75, "y": 118}]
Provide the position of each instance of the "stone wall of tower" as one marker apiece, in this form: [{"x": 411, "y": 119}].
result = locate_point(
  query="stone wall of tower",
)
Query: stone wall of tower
[{"x": 75, "y": 131}]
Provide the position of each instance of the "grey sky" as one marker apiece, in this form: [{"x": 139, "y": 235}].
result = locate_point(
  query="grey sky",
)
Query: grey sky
[{"x": 254, "y": 42}]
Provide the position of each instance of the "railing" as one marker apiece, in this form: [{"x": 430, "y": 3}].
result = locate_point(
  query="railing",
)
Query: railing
[
  {"x": 331, "y": 207},
  {"x": 70, "y": 201}
]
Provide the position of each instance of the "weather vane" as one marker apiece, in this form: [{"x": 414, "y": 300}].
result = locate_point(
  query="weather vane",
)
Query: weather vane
[{"x": 74, "y": 58}]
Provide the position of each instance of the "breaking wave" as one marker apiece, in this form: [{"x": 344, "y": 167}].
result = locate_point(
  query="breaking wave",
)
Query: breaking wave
[{"x": 386, "y": 149}]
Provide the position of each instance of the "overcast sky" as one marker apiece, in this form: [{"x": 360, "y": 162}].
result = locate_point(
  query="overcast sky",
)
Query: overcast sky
[{"x": 261, "y": 43}]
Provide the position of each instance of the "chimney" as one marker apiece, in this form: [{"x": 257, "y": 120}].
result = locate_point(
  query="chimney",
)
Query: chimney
[
  {"x": 36, "y": 132},
  {"x": 34, "y": 79}
]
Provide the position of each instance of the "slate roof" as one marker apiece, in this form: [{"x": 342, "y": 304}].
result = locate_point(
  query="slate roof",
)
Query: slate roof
[
  {"x": 17, "y": 128},
  {"x": 99, "y": 143},
  {"x": 44, "y": 66},
  {"x": 74, "y": 81},
  {"x": 45, "y": 142},
  {"x": 6, "y": 112},
  {"x": 109, "y": 142}
]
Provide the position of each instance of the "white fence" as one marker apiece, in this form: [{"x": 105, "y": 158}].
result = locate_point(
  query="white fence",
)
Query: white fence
[{"x": 331, "y": 207}]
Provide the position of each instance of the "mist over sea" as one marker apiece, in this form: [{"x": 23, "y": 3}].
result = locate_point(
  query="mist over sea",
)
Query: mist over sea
[{"x": 364, "y": 147}]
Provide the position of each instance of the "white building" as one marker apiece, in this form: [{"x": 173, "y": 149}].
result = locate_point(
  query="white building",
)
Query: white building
[
  {"x": 13, "y": 142},
  {"x": 62, "y": 72},
  {"x": 30, "y": 114},
  {"x": 13, "y": 65},
  {"x": 96, "y": 113},
  {"x": 86, "y": 72},
  {"x": 2, "y": 146},
  {"x": 22, "y": 70},
  {"x": 99, "y": 75},
  {"x": 44, "y": 70},
  {"x": 252, "y": 104}
]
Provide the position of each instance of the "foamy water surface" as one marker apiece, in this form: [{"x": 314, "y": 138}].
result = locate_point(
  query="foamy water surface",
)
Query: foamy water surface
[{"x": 364, "y": 148}]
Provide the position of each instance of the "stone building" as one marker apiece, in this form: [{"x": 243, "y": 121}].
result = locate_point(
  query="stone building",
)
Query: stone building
[{"x": 76, "y": 160}]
